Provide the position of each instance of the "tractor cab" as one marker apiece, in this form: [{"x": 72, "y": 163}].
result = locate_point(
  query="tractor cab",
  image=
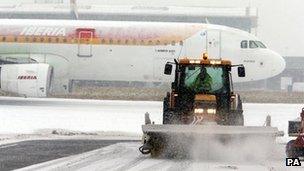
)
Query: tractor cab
[{"x": 202, "y": 91}]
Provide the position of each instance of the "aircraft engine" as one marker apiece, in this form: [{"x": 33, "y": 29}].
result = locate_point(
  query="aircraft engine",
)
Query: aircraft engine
[{"x": 30, "y": 80}]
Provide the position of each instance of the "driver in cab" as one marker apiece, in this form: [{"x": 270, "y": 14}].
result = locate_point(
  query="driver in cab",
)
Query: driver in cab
[{"x": 202, "y": 82}]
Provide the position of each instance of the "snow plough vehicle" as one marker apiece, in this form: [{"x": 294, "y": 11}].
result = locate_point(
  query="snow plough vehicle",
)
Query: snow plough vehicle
[
  {"x": 200, "y": 109},
  {"x": 295, "y": 148}
]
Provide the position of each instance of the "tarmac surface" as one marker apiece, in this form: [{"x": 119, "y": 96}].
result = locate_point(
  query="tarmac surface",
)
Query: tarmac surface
[{"x": 26, "y": 153}]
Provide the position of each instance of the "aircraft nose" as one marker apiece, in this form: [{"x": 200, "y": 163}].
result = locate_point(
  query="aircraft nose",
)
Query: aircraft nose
[{"x": 279, "y": 63}]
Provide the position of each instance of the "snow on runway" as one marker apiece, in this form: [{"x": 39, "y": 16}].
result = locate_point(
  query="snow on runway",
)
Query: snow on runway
[
  {"x": 125, "y": 156},
  {"x": 20, "y": 115},
  {"x": 27, "y": 115}
]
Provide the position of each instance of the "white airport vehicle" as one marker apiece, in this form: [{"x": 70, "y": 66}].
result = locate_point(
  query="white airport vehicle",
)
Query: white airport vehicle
[{"x": 116, "y": 51}]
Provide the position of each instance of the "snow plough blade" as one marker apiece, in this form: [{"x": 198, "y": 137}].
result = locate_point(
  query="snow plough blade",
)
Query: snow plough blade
[
  {"x": 181, "y": 140},
  {"x": 212, "y": 129}
]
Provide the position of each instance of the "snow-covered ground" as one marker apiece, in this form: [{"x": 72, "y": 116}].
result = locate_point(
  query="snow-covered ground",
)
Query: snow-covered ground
[
  {"x": 27, "y": 115},
  {"x": 125, "y": 156}
]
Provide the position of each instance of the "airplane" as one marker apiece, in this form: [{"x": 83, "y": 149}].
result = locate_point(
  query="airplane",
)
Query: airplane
[{"x": 41, "y": 56}]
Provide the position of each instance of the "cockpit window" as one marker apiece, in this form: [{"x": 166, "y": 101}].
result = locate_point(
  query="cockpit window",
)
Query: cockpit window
[
  {"x": 260, "y": 44},
  {"x": 256, "y": 44},
  {"x": 244, "y": 44},
  {"x": 252, "y": 44}
]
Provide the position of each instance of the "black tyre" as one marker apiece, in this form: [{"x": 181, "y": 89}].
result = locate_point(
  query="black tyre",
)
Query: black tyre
[
  {"x": 236, "y": 116},
  {"x": 170, "y": 117},
  {"x": 166, "y": 117},
  {"x": 157, "y": 142},
  {"x": 239, "y": 120},
  {"x": 156, "y": 152}
]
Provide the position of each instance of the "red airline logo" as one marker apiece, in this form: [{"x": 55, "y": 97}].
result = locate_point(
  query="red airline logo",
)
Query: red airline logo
[{"x": 27, "y": 77}]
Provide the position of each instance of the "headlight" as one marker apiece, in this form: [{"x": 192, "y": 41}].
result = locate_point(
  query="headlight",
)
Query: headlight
[
  {"x": 211, "y": 111},
  {"x": 199, "y": 110}
]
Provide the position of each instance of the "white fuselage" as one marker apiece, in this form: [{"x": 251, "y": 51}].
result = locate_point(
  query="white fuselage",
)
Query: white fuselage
[{"x": 129, "y": 51}]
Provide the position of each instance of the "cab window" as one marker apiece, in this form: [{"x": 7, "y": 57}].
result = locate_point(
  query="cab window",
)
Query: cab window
[
  {"x": 213, "y": 79},
  {"x": 244, "y": 44}
]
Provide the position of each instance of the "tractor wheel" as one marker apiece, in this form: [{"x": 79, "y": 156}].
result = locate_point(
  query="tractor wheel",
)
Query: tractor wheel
[
  {"x": 235, "y": 119},
  {"x": 166, "y": 117},
  {"x": 158, "y": 145},
  {"x": 156, "y": 152},
  {"x": 169, "y": 117},
  {"x": 239, "y": 119}
]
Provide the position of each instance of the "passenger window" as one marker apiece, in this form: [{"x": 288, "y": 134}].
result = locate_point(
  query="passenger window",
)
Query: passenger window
[
  {"x": 181, "y": 43},
  {"x": 173, "y": 43},
  {"x": 244, "y": 44},
  {"x": 252, "y": 44}
]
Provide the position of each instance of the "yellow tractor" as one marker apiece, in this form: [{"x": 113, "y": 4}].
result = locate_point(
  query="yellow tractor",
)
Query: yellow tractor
[{"x": 201, "y": 104}]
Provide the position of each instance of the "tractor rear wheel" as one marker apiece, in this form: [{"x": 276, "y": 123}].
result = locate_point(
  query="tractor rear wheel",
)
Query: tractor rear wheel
[
  {"x": 166, "y": 116},
  {"x": 236, "y": 116},
  {"x": 239, "y": 120}
]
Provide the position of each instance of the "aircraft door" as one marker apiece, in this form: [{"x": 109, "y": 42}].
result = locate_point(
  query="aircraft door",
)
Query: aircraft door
[
  {"x": 213, "y": 44},
  {"x": 85, "y": 40}
]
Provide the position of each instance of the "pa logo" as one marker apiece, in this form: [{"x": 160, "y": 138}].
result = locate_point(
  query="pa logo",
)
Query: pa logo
[{"x": 293, "y": 162}]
